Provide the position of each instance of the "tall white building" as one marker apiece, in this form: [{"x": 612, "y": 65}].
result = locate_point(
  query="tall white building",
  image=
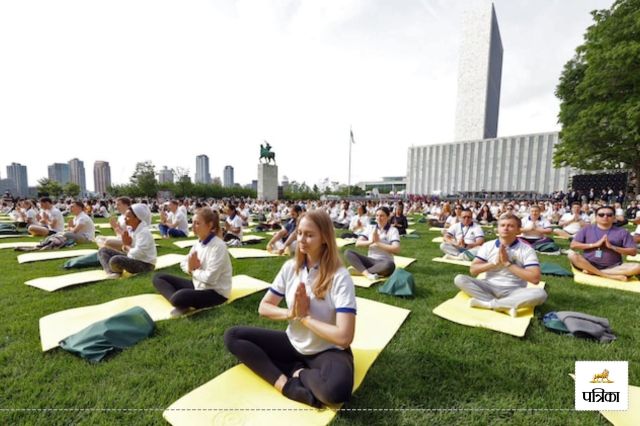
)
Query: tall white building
[
  {"x": 228, "y": 176},
  {"x": 479, "y": 76},
  {"x": 101, "y": 176},
  {"x": 60, "y": 173},
  {"x": 202, "y": 169},
  {"x": 77, "y": 175},
  {"x": 507, "y": 164},
  {"x": 17, "y": 174},
  {"x": 165, "y": 175}
]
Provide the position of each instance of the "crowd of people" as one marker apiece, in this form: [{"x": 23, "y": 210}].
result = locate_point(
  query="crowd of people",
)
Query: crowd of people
[{"x": 311, "y": 361}]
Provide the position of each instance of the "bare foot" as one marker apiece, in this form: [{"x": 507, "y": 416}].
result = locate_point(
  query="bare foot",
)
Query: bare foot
[{"x": 617, "y": 277}]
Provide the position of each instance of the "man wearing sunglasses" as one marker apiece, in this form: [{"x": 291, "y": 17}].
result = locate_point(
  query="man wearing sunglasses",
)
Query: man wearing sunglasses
[
  {"x": 463, "y": 239},
  {"x": 603, "y": 246}
]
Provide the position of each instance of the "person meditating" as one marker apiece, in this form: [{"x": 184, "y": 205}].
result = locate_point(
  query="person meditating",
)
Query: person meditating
[
  {"x": 603, "y": 246},
  {"x": 383, "y": 242},
  {"x": 311, "y": 362},
  {"x": 208, "y": 264},
  {"x": 509, "y": 264},
  {"x": 463, "y": 238},
  {"x": 536, "y": 229},
  {"x": 174, "y": 224},
  {"x": 572, "y": 222},
  {"x": 138, "y": 251}
]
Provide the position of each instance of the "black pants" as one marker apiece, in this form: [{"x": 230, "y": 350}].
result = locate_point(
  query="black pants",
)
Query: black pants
[
  {"x": 116, "y": 261},
  {"x": 374, "y": 266},
  {"x": 181, "y": 293},
  {"x": 269, "y": 354}
]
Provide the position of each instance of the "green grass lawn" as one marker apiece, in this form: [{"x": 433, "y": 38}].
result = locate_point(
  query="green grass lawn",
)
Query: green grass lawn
[{"x": 440, "y": 372}]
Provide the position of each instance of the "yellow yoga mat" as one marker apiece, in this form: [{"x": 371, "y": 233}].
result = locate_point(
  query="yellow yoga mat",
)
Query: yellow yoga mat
[
  {"x": 247, "y": 253},
  {"x": 635, "y": 258},
  {"x": 18, "y": 244},
  {"x": 410, "y": 231},
  {"x": 596, "y": 281},
  {"x": 631, "y": 417},
  {"x": 36, "y": 257},
  {"x": 438, "y": 240},
  {"x": 452, "y": 261},
  {"x": 343, "y": 242},
  {"x": 15, "y": 236},
  {"x": 235, "y": 396},
  {"x": 68, "y": 280},
  {"x": 362, "y": 281},
  {"x": 103, "y": 225},
  {"x": 403, "y": 262},
  {"x": 458, "y": 310},
  {"x": 435, "y": 230},
  {"x": 57, "y": 326}
]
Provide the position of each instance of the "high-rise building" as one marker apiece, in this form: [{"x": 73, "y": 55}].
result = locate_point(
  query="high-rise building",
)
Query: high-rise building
[
  {"x": 479, "y": 76},
  {"x": 17, "y": 174},
  {"x": 165, "y": 175},
  {"x": 228, "y": 176},
  {"x": 77, "y": 175},
  {"x": 59, "y": 172},
  {"x": 101, "y": 176},
  {"x": 202, "y": 169}
]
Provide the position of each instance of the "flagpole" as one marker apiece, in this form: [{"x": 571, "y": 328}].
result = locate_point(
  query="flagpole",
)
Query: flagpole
[{"x": 350, "y": 143}]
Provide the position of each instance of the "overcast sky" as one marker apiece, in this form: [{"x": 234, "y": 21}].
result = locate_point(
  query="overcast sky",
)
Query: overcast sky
[{"x": 132, "y": 80}]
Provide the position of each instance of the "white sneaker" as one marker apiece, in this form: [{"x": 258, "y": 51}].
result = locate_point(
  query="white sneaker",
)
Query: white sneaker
[
  {"x": 371, "y": 277},
  {"x": 477, "y": 303},
  {"x": 178, "y": 312}
]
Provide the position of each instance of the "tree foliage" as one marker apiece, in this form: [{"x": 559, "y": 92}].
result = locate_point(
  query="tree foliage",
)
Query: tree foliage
[
  {"x": 599, "y": 90},
  {"x": 72, "y": 189},
  {"x": 48, "y": 187},
  {"x": 144, "y": 179}
]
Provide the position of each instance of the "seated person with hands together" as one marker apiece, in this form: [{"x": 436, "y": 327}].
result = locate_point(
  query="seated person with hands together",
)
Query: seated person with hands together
[{"x": 311, "y": 362}]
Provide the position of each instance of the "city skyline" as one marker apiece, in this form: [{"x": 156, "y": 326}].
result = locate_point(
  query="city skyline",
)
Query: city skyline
[{"x": 308, "y": 72}]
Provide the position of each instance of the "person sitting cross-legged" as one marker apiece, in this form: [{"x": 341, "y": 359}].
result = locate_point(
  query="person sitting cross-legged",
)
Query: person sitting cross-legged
[
  {"x": 207, "y": 263},
  {"x": 138, "y": 252},
  {"x": 509, "y": 264},
  {"x": 463, "y": 239},
  {"x": 603, "y": 246},
  {"x": 174, "y": 224}
]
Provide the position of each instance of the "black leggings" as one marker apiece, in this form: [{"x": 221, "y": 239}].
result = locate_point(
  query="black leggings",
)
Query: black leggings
[
  {"x": 361, "y": 262},
  {"x": 116, "y": 261},
  {"x": 181, "y": 293},
  {"x": 269, "y": 354}
]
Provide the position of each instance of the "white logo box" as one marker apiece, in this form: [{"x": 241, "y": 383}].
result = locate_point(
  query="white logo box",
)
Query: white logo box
[{"x": 602, "y": 385}]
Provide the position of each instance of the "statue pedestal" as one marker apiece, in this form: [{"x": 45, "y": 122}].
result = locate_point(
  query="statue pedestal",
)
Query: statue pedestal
[{"x": 267, "y": 182}]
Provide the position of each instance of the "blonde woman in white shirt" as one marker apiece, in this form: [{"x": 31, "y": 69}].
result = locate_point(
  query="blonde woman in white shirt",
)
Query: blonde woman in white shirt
[{"x": 207, "y": 263}]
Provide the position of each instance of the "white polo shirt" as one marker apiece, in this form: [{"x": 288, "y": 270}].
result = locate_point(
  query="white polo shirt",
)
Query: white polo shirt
[
  {"x": 87, "y": 228},
  {"x": 470, "y": 233},
  {"x": 387, "y": 235},
  {"x": 340, "y": 298},
  {"x": 179, "y": 219},
  {"x": 55, "y": 216},
  {"x": 540, "y": 223},
  {"x": 519, "y": 254},
  {"x": 215, "y": 266},
  {"x": 573, "y": 227}
]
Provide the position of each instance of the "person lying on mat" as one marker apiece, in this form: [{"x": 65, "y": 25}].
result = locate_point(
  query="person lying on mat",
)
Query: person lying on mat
[
  {"x": 286, "y": 237},
  {"x": 50, "y": 220},
  {"x": 138, "y": 252},
  {"x": 462, "y": 240},
  {"x": 399, "y": 220},
  {"x": 174, "y": 224},
  {"x": 572, "y": 222},
  {"x": 535, "y": 228},
  {"x": 509, "y": 264},
  {"x": 311, "y": 362},
  {"x": 383, "y": 242},
  {"x": 603, "y": 246},
  {"x": 208, "y": 264},
  {"x": 81, "y": 228}
]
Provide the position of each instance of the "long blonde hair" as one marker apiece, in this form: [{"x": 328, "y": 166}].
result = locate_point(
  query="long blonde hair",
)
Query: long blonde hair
[{"x": 330, "y": 260}]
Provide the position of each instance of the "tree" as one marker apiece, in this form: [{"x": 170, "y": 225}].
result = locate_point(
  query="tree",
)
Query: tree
[
  {"x": 49, "y": 187},
  {"x": 144, "y": 178},
  {"x": 599, "y": 90},
  {"x": 72, "y": 189},
  {"x": 183, "y": 184}
]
